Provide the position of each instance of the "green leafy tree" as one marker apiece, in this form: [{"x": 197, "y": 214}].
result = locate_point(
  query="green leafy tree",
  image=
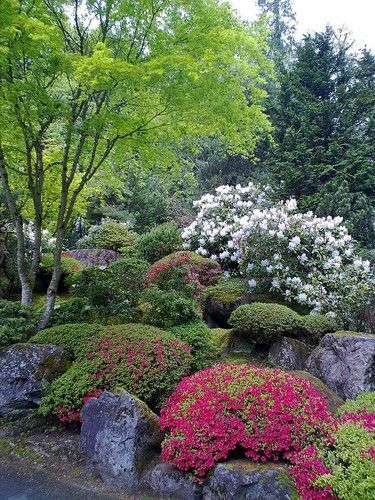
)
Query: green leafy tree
[{"x": 85, "y": 83}]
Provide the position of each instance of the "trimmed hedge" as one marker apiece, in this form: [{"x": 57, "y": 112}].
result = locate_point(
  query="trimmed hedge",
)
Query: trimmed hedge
[{"x": 266, "y": 323}]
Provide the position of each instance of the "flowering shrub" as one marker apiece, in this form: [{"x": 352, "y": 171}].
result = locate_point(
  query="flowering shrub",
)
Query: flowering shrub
[
  {"x": 186, "y": 272},
  {"x": 210, "y": 235},
  {"x": 341, "y": 467},
  {"x": 302, "y": 257},
  {"x": 141, "y": 359},
  {"x": 165, "y": 309},
  {"x": 160, "y": 241},
  {"x": 75, "y": 338},
  {"x": 198, "y": 336},
  {"x": 89, "y": 257},
  {"x": 265, "y": 414},
  {"x": 266, "y": 323}
]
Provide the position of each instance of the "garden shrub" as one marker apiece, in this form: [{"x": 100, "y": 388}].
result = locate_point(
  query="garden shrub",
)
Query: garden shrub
[
  {"x": 262, "y": 414},
  {"x": 16, "y": 323},
  {"x": 222, "y": 338},
  {"x": 317, "y": 325},
  {"x": 71, "y": 310},
  {"x": 141, "y": 359},
  {"x": 266, "y": 323},
  {"x": 198, "y": 336},
  {"x": 185, "y": 272},
  {"x": 165, "y": 309},
  {"x": 227, "y": 291},
  {"x": 364, "y": 402},
  {"x": 160, "y": 241},
  {"x": 114, "y": 291},
  {"x": 111, "y": 235},
  {"x": 75, "y": 338},
  {"x": 71, "y": 270},
  {"x": 98, "y": 257}
]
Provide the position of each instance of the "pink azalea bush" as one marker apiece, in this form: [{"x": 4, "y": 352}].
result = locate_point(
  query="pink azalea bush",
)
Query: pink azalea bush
[{"x": 263, "y": 414}]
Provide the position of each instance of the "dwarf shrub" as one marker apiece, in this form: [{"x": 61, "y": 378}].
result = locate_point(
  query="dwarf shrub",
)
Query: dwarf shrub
[
  {"x": 71, "y": 310},
  {"x": 114, "y": 291},
  {"x": 141, "y": 359},
  {"x": 266, "y": 323},
  {"x": 165, "y": 309},
  {"x": 363, "y": 402},
  {"x": 317, "y": 325},
  {"x": 160, "y": 241},
  {"x": 76, "y": 338},
  {"x": 16, "y": 323},
  {"x": 198, "y": 336},
  {"x": 227, "y": 291},
  {"x": 111, "y": 235},
  {"x": 185, "y": 272},
  {"x": 262, "y": 414}
]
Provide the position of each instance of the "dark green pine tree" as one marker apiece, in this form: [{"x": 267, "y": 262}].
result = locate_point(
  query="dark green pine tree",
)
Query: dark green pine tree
[{"x": 324, "y": 123}]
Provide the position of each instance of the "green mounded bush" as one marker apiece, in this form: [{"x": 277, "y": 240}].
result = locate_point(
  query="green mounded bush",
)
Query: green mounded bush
[
  {"x": 165, "y": 309},
  {"x": 71, "y": 310},
  {"x": 114, "y": 291},
  {"x": 141, "y": 359},
  {"x": 266, "y": 323},
  {"x": 198, "y": 336},
  {"x": 160, "y": 241},
  {"x": 317, "y": 325},
  {"x": 111, "y": 235},
  {"x": 16, "y": 323},
  {"x": 76, "y": 338},
  {"x": 364, "y": 401},
  {"x": 227, "y": 291}
]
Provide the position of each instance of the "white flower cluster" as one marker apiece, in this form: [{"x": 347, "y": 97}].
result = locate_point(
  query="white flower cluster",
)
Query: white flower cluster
[
  {"x": 307, "y": 259},
  {"x": 210, "y": 235}
]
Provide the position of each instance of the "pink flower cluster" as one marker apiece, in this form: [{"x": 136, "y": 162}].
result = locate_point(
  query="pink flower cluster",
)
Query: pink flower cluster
[
  {"x": 69, "y": 416},
  {"x": 199, "y": 272},
  {"x": 264, "y": 414}
]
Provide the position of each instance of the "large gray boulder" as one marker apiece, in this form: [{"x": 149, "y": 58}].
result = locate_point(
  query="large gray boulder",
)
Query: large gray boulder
[
  {"x": 345, "y": 361},
  {"x": 25, "y": 372},
  {"x": 289, "y": 354},
  {"x": 120, "y": 435},
  {"x": 246, "y": 480},
  {"x": 167, "y": 481}
]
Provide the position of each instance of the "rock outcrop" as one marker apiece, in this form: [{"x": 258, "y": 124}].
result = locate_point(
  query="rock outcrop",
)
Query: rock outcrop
[{"x": 289, "y": 354}]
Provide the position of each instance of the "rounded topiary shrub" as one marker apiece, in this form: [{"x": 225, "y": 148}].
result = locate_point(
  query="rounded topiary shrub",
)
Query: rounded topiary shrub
[
  {"x": 165, "y": 309},
  {"x": 198, "y": 336},
  {"x": 160, "y": 241},
  {"x": 76, "y": 338},
  {"x": 141, "y": 359},
  {"x": 266, "y": 323},
  {"x": 185, "y": 272},
  {"x": 262, "y": 414},
  {"x": 317, "y": 325},
  {"x": 16, "y": 323},
  {"x": 111, "y": 235}
]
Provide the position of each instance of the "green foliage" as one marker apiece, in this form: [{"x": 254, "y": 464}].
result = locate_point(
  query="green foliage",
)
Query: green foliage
[
  {"x": 266, "y": 323},
  {"x": 198, "y": 336},
  {"x": 71, "y": 310},
  {"x": 16, "y": 323},
  {"x": 76, "y": 338},
  {"x": 227, "y": 291},
  {"x": 111, "y": 235},
  {"x": 317, "y": 325},
  {"x": 222, "y": 338},
  {"x": 364, "y": 401},
  {"x": 165, "y": 309},
  {"x": 141, "y": 359},
  {"x": 160, "y": 241},
  {"x": 114, "y": 291},
  {"x": 351, "y": 465},
  {"x": 71, "y": 270}
]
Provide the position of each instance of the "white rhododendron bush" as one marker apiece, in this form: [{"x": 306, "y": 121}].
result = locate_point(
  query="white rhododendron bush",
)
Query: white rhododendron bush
[{"x": 307, "y": 259}]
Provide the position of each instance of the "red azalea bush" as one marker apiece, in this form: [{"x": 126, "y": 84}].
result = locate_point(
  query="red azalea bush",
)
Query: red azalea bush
[
  {"x": 264, "y": 414},
  {"x": 342, "y": 466},
  {"x": 184, "y": 271},
  {"x": 141, "y": 359}
]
